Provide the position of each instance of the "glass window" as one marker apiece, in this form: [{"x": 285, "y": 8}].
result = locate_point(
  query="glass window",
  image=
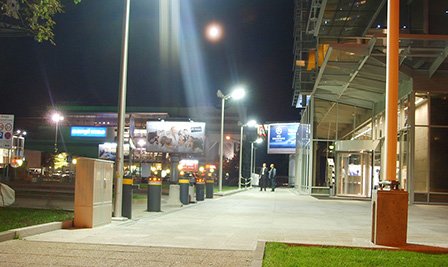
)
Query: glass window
[
  {"x": 439, "y": 110},
  {"x": 421, "y": 159},
  {"x": 438, "y": 148},
  {"x": 421, "y": 110}
]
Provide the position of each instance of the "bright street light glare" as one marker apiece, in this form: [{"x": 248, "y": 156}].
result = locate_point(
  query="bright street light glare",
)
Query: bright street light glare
[
  {"x": 238, "y": 93},
  {"x": 259, "y": 141},
  {"x": 251, "y": 123},
  {"x": 56, "y": 117},
  {"x": 214, "y": 32}
]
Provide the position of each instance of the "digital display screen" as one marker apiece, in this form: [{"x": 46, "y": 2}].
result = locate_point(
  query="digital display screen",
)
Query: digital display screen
[{"x": 81, "y": 131}]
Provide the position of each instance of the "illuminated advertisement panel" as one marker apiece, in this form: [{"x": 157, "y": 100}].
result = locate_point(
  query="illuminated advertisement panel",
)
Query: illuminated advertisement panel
[
  {"x": 282, "y": 138},
  {"x": 189, "y": 165},
  {"x": 108, "y": 151},
  {"x": 175, "y": 137},
  {"x": 82, "y": 131}
]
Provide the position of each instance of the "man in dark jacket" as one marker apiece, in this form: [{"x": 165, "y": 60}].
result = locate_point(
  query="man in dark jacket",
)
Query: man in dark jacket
[{"x": 272, "y": 177}]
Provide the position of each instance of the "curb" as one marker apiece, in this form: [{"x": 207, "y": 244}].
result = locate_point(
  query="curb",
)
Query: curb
[
  {"x": 231, "y": 192},
  {"x": 258, "y": 254},
  {"x": 34, "y": 230}
]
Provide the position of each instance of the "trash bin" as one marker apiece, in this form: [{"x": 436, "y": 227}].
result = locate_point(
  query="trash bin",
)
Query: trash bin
[{"x": 154, "y": 194}]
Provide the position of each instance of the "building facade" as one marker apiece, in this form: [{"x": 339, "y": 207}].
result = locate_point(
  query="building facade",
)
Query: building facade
[{"x": 340, "y": 84}]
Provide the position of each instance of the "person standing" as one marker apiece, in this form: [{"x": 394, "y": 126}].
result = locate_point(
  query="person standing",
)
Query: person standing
[
  {"x": 272, "y": 177},
  {"x": 263, "y": 177}
]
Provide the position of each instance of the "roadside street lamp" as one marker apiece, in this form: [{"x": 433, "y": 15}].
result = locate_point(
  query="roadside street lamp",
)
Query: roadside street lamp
[
  {"x": 251, "y": 123},
  {"x": 119, "y": 159},
  {"x": 237, "y": 93},
  {"x": 214, "y": 32},
  {"x": 56, "y": 118},
  {"x": 252, "y": 156}
]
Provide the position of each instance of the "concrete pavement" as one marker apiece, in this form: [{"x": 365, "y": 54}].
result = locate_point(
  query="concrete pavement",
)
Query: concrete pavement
[{"x": 236, "y": 222}]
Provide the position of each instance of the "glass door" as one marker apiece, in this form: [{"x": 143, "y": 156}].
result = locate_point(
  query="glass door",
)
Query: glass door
[
  {"x": 403, "y": 156},
  {"x": 354, "y": 174}
]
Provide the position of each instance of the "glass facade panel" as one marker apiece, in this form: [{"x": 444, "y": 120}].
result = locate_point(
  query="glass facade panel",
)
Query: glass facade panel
[
  {"x": 421, "y": 162},
  {"x": 354, "y": 174},
  {"x": 421, "y": 111},
  {"x": 438, "y": 149},
  {"x": 439, "y": 110}
]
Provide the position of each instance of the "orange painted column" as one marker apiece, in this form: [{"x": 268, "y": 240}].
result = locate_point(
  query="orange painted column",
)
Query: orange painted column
[
  {"x": 392, "y": 68},
  {"x": 390, "y": 205}
]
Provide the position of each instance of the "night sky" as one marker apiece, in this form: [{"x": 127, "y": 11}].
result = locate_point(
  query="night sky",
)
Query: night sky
[{"x": 84, "y": 66}]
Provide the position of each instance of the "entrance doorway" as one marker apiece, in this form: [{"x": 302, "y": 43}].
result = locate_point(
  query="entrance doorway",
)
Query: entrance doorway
[{"x": 354, "y": 174}]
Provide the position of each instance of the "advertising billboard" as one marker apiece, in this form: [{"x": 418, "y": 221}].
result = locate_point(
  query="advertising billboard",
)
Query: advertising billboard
[
  {"x": 175, "y": 136},
  {"x": 282, "y": 138},
  {"x": 188, "y": 165},
  {"x": 108, "y": 151},
  {"x": 83, "y": 131}
]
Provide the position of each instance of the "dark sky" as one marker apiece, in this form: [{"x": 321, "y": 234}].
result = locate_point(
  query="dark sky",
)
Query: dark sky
[{"x": 84, "y": 65}]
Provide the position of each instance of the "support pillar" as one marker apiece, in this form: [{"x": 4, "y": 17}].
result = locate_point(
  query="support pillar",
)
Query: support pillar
[
  {"x": 174, "y": 170},
  {"x": 390, "y": 205}
]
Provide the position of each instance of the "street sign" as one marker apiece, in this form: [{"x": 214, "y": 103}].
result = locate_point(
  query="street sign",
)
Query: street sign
[{"x": 6, "y": 128}]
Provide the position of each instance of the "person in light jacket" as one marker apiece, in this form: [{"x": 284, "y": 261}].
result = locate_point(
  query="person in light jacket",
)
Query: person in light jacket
[{"x": 264, "y": 177}]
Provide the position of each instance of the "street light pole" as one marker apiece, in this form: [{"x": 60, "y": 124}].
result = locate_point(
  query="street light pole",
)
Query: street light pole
[
  {"x": 252, "y": 156},
  {"x": 237, "y": 93},
  {"x": 56, "y": 137},
  {"x": 119, "y": 161},
  {"x": 251, "y": 160},
  {"x": 56, "y": 118},
  {"x": 221, "y": 144},
  {"x": 241, "y": 158},
  {"x": 251, "y": 123}
]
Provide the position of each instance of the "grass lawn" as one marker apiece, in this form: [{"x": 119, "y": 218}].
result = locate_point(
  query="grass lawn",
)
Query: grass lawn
[
  {"x": 279, "y": 254},
  {"x": 11, "y": 218}
]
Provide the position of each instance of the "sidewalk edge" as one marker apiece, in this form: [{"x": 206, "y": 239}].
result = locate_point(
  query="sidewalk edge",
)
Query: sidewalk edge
[
  {"x": 258, "y": 254},
  {"x": 34, "y": 230}
]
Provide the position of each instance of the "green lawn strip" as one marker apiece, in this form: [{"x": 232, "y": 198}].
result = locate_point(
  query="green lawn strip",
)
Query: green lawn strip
[
  {"x": 139, "y": 196},
  {"x": 11, "y": 218},
  {"x": 279, "y": 254}
]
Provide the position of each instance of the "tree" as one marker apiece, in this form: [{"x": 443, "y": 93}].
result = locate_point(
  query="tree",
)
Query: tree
[{"x": 30, "y": 18}]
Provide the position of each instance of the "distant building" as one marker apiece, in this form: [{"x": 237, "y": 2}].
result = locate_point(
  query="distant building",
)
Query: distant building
[{"x": 42, "y": 131}]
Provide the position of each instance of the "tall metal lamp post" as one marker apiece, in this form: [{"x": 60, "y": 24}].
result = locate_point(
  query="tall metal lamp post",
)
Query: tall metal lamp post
[
  {"x": 236, "y": 94},
  {"x": 56, "y": 118},
  {"x": 251, "y": 123},
  {"x": 252, "y": 155},
  {"x": 119, "y": 160}
]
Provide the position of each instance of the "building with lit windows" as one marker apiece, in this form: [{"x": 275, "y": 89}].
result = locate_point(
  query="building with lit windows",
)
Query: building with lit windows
[{"x": 340, "y": 82}]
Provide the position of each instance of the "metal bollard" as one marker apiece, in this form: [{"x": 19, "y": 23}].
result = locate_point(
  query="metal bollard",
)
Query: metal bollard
[
  {"x": 154, "y": 194},
  {"x": 200, "y": 189},
  {"x": 209, "y": 182},
  {"x": 184, "y": 194},
  {"x": 126, "y": 205}
]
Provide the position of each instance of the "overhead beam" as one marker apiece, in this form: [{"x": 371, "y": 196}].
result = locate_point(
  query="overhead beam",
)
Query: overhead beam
[
  {"x": 373, "y": 18},
  {"x": 352, "y": 102},
  {"x": 322, "y": 69},
  {"x": 438, "y": 61}
]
